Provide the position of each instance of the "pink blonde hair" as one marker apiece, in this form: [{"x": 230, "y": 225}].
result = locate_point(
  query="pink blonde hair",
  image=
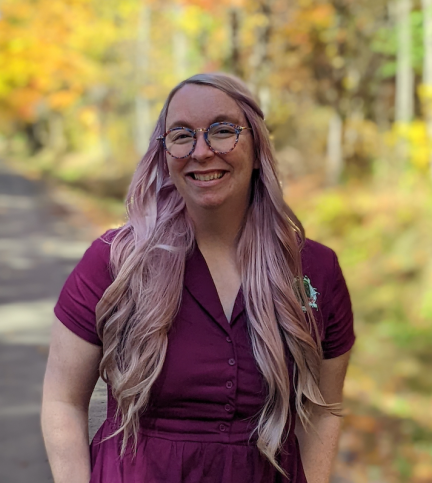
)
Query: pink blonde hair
[{"x": 148, "y": 259}]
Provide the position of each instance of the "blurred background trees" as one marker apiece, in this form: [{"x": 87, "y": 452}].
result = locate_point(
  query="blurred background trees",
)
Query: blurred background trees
[
  {"x": 346, "y": 87},
  {"x": 82, "y": 81}
]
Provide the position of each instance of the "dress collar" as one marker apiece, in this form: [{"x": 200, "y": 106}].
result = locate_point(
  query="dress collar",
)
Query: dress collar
[{"x": 200, "y": 285}]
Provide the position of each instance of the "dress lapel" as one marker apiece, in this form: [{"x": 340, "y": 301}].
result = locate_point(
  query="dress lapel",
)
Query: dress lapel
[
  {"x": 200, "y": 285},
  {"x": 239, "y": 307}
]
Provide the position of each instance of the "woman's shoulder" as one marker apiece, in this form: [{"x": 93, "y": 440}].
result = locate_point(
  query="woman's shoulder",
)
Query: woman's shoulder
[
  {"x": 105, "y": 240},
  {"x": 100, "y": 248},
  {"x": 95, "y": 262},
  {"x": 321, "y": 271},
  {"x": 84, "y": 288},
  {"x": 329, "y": 296},
  {"x": 317, "y": 256}
]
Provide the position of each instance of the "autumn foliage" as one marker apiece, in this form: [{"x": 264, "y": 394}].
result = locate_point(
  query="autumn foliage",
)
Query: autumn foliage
[{"x": 81, "y": 84}]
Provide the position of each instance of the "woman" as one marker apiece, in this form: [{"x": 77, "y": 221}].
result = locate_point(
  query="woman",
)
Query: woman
[{"x": 222, "y": 333}]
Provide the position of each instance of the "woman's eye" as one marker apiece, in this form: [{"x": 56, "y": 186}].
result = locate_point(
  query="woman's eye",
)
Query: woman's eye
[
  {"x": 182, "y": 136},
  {"x": 224, "y": 130}
]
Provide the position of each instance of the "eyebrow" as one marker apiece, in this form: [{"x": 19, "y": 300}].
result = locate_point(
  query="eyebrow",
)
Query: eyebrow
[{"x": 220, "y": 118}]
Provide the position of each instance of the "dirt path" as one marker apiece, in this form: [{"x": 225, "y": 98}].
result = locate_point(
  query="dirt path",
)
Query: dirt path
[{"x": 41, "y": 240}]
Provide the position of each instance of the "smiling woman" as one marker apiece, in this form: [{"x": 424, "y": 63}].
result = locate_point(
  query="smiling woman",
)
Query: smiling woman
[
  {"x": 208, "y": 176},
  {"x": 218, "y": 360}
]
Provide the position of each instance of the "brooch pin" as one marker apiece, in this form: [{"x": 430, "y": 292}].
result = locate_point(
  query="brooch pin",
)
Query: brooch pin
[{"x": 311, "y": 293}]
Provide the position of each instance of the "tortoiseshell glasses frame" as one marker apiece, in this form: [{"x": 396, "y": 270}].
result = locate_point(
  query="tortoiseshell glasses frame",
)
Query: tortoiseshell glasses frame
[{"x": 237, "y": 130}]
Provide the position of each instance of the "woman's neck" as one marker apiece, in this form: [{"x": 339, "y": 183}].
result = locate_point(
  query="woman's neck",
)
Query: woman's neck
[{"x": 218, "y": 229}]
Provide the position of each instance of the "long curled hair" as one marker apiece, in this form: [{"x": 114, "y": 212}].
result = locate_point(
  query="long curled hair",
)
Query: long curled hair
[{"x": 148, "y": 257}]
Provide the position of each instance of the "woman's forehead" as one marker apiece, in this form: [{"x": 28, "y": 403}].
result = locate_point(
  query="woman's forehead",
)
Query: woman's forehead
[{"x": 198, "y": 106}]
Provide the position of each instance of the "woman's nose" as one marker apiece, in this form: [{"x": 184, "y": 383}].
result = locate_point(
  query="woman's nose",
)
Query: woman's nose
[{"x": 202, "y": 150}]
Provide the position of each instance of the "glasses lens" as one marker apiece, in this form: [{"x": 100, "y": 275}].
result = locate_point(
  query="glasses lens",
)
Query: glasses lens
[
  {"x": 222, "y": 137},
  {"x": 179, "y": 142}
]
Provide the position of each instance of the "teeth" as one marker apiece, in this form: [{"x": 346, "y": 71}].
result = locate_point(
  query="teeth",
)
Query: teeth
[{"x": 207, "y": 177}]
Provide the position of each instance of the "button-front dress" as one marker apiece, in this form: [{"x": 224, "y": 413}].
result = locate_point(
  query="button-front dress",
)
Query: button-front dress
[{"x": 199, "y": 425}]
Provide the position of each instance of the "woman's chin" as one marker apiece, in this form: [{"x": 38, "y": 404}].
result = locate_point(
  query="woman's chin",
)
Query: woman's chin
[{"x": 205, "y": 203}]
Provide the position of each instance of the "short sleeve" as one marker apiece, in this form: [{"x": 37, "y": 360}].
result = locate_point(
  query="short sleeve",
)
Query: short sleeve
[
  {"x": 83, "y": 289},
  {"x": 339, "y": 334}
]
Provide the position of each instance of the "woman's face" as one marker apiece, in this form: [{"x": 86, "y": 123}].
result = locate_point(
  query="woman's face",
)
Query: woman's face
[{"x": 196, "y": 106}]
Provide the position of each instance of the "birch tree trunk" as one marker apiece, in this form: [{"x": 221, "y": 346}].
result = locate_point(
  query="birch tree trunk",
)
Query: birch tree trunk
[
  {"x": 404, "y": 101},
  {"x": 334, "y": 157},
  {"x": 404, "y": 73},
  {"x": 427, "y": 70},
  {"x": 179, "y": 47},
  {"x": 260, "y": 59},
  {"x": 142, "y": 104},
  {"x": 334, "y": 150},
  {"x": 56, "y": 139}
]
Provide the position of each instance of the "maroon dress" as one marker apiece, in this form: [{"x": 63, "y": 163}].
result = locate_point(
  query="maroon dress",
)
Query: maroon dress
[{"x": 198, "y": 426}]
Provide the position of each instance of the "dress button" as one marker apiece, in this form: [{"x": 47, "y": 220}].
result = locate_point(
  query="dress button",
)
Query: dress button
[
  {"x": 222, "y": 427},
  {"x": 228, "y": 339},
  {"x": 228, "y": 408},
  {"x": 231, "y": 362},
  {"x": 229, "y": 384}
]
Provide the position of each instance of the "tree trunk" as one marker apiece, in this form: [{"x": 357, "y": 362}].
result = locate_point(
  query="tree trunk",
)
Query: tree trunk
[
  {"x": 404, "y": 73},
  {"x": 334, "y": 150},
  {"x": 142, "y": 104},
  {"x": 179, "y": 47},
  {"x": 260, "y": 59},
  {"x": 427, "y": 71},
  {"x": 235, "y": 62},
  {"x": 57, "y": 140}
]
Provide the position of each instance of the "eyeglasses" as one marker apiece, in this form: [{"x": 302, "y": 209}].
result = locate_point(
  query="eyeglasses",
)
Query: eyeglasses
[{"x": 221, "y": 138}]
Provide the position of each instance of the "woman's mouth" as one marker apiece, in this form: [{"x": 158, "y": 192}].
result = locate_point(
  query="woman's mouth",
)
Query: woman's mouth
[{"x": 207, "y": 176}]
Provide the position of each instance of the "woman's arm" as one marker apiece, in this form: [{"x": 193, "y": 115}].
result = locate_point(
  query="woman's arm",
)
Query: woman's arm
[
  {"x": 70, "y": 377},
  {"x": 318, "y": 447}
]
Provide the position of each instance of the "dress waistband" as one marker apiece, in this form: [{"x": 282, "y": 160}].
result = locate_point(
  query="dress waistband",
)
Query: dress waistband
[{"x": 211, "y": 431}]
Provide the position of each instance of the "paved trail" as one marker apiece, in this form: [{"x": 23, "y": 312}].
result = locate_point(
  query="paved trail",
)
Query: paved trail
[{"x": 40, "y": 242}]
